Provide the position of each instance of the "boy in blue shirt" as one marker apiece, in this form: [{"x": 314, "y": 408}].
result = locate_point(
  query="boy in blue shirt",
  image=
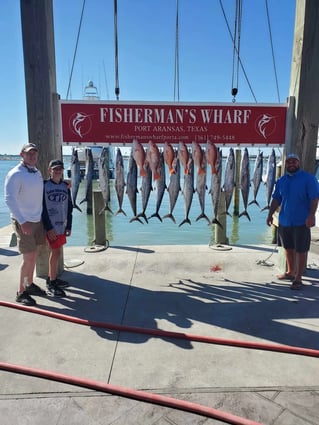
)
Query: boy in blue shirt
[{"x": 57, "y": 221}]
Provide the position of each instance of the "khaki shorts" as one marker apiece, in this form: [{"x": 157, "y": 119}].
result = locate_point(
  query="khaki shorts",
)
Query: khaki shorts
[{"x": 29, "y": 243}]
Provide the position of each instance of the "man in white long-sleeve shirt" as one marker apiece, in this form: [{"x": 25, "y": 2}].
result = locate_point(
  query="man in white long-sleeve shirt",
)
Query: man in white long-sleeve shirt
[{"x": 23, "y": 195}]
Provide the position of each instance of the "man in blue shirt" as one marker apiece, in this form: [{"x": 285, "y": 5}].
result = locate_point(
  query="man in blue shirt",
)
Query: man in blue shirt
[{"x": 297, "y": 194}]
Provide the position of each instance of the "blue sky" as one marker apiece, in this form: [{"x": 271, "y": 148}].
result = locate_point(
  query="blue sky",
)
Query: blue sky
[{"x": 146, "y": 37}]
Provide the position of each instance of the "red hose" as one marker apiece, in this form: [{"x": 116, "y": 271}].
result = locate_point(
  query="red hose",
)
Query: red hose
[
  {"x": 130, "y": 393},
  {"x": 168, "y": 334},
  {"x": 141, "y": 395}
]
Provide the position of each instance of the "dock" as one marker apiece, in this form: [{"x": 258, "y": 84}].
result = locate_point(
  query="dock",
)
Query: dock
[{"x": 162, "y": 320}]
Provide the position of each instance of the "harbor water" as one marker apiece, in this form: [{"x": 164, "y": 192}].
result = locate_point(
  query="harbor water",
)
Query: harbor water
[{"x": 120, "y": 232}]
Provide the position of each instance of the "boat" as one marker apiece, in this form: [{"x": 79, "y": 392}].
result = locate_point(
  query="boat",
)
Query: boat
[{"x": 91, "y": 94}]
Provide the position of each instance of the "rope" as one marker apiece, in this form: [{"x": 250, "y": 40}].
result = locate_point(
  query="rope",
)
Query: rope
[
  {"x": 236, "y": 49},
  {"x": 265, "y": 261},
  {"x": 176, "y": 70},
  {"x": 272, "y": 50},
  {"x": 117, "y": 84},
  {"x": 76, "y": 48},
  {"x": 239, "y": 60}
]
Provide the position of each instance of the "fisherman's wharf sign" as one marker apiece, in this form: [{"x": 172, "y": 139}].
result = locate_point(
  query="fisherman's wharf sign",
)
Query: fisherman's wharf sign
[{"x": 119, "y": 123}]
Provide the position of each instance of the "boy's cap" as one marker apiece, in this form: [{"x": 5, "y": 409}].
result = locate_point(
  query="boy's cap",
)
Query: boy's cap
[
  {"x": 292, "y": 156},
  {"x": 55, "y": 163},
  {"x": 28, "y": 147}
]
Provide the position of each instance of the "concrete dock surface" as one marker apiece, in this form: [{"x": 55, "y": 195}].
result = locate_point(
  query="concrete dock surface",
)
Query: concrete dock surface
[{"x": 223, "y": 292}]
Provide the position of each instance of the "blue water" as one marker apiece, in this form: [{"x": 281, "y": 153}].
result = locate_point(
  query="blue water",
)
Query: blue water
[{"x": 120, "y": 232}]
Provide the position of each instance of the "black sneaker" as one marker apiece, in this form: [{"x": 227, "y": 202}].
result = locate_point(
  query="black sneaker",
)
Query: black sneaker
[
  {"x": 60, "y": 282},
  {"x": 53, "y": 289},
  {"x": 25, "y": 299},
  {"x": 34, "y": 289}
]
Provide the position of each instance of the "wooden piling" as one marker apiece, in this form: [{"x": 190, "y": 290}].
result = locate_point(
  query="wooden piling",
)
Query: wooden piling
[{"x": 99, "y": 219}]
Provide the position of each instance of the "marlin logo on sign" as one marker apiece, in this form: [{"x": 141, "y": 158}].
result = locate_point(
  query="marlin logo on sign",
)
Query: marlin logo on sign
[
  {"x": 80, "y": 124},
  {"x": 265, "y": 125}
]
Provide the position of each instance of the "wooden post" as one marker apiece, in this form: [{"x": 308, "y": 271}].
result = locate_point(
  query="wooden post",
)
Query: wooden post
[
  {"x": 89, "y": 204},
  {"x": 40, "y": 84},
  {"x": 304, "y": 83},
  {"x": 220, "y": 233},
  {"x": 99, "y": 219}
]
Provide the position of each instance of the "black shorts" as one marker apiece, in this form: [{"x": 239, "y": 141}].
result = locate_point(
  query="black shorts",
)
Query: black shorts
[{"x": 295, "y": 237}]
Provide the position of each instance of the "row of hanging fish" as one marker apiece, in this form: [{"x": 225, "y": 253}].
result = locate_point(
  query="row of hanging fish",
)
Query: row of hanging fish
[{"x": 149, "y": 164}]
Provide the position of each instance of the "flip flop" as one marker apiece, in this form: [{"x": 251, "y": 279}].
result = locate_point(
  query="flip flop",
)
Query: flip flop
[
  {"x": 285, "y": 276},
  {"x": 296, "y": 284}
]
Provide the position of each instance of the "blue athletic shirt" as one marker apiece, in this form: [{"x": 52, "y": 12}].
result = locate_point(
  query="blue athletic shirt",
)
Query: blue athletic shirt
[{"x": 294, "y": 192}]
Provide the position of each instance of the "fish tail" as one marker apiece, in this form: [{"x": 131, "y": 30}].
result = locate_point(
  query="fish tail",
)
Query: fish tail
[
  {"x": 244, "y": 213},
  {"x": 77, "y": 207},
  {"x": 265, "y": 208},
  {"x": 136, "y": 218},
  {"x": 254, "y": 202},
  {"x": 157, "y": 216},
  {"x": 203, "y": 215},
  {"x": 228, "y": 213},
  {"x": 84, "y": 200},
  {"x": 143, "y": 215},
  {"x": 170, "y": 215},
  {"x": 105, "y": 208},
  {"x": 215, "y": 221},
  {"x": 120, "y": 211},
  {"x": 186, "y": 220}
]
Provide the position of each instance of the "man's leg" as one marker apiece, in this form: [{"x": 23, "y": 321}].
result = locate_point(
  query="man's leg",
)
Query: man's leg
[
  {"x": 301, "y": 262},
  {"x": 27, "y": 269},
  {"x": 290, "y": 260}
]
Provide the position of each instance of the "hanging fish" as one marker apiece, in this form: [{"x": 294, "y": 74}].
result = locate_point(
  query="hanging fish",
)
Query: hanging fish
[
  {"x": 160, "y": 187},
  {"x": 131, "y": 186},
  {"x": 174, "y": 188},
  {"x": 201, "y": 188},
  {"x": 104, "y": 180},
  {"x": 75, "y": 177},
  {"x": 245, "y": 182},
  {"x": 119, "y": 181},
  {"x": 215, "y": 188},
  {"x": 153, "y": 157},
  {"x": 183, "y": 156},
  {"x": 188, "y": 190},
  {"x": 270, "y": 177},
  {"x": 199, "y": 158},
  {"x": 229, "y": 179},
  {"x": 211, "y": 155},
  {"x": 89, "y": 171},
  {"x": 139, "y": 156},
  {"x": 257, "y": 176},
  {"x": 146, "y": 190},
  {"x": 169, "y": 156}
]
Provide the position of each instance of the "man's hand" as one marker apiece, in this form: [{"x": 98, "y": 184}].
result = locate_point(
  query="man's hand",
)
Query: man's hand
[
  {"x": 51, "y": 235},
  {"x": 26, "y": 228},
  {"x": 311, "y": 220}
]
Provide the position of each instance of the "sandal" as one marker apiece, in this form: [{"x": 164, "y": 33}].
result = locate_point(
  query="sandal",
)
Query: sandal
[
  {"x": 296, "y": 284},
  {"x": 285, "y": 276}
]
